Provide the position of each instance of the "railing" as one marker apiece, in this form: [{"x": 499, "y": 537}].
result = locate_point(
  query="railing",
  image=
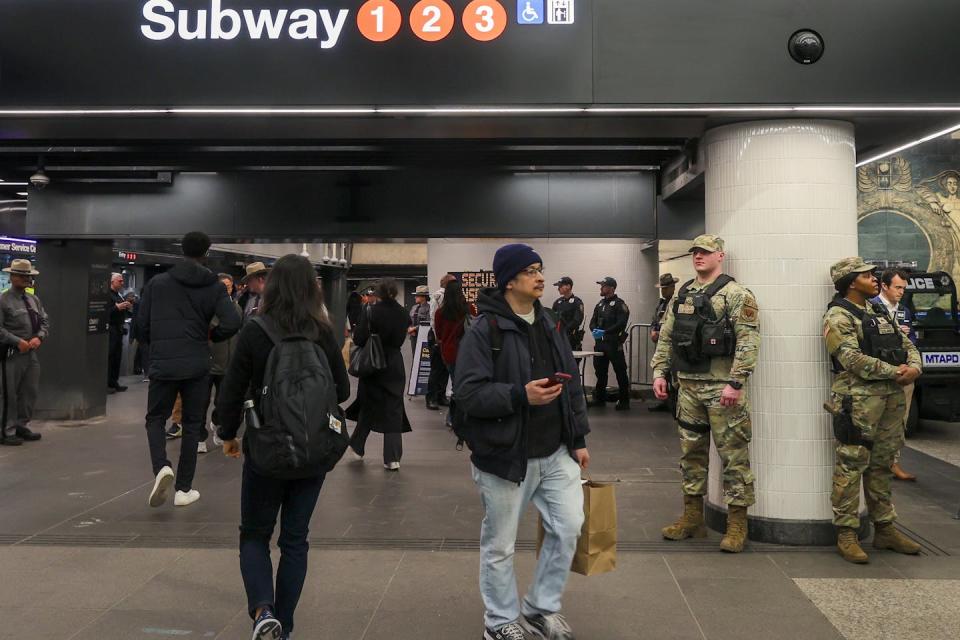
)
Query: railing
[{"x": 639, "y": 352}]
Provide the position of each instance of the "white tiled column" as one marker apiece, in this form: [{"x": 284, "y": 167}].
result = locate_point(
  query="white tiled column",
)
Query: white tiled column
[{"x": 782, "y": 195}]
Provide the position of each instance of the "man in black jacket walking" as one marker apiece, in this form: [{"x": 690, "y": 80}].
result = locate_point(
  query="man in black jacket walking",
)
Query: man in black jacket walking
[
  {"x": 174, "y": 320},
  {"x": 527, "y": 435}
]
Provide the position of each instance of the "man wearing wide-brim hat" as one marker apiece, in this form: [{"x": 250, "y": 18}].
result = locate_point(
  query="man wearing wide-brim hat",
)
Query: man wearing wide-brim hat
[
  {"x": 419, "y": 313},
  {"x": 23, "y": 328},
  {"x": 255, "y": 278}
]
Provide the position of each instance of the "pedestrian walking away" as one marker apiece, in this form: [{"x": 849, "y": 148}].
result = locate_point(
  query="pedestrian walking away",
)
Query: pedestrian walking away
[
  {"x": 175, "y": 315},
  {"x": 526, "y": 430},
  {"x": 710, "y": 337},
  {"x": 291, "y": 307},
  {"x": 379, "y": 404},
  {"x": 439, "y": 376},
  {"x": 23, "y": 328},
  {"x": 220, "y": 355},
  {"x": 608, "y": 325},
  {"x": 872, "y": 361}
]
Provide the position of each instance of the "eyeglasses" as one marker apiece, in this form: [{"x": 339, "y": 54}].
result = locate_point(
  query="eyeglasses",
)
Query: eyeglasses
[{"x": 532, "y": 271}]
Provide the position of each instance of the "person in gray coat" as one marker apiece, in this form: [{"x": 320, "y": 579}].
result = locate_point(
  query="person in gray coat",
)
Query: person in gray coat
[
  {"x": 220, "y": 355},
  {"x": 23, "y": 328}
]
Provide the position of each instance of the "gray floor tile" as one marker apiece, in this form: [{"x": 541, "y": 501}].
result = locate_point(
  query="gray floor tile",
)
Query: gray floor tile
[
  {"x": 831, "y": 565},
  {"x": 151, "y": 624}
]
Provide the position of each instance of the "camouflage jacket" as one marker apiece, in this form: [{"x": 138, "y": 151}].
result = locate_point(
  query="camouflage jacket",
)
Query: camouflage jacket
[
  {"x": 739, "y": 305},
  {"x": 862, "y": 375}
]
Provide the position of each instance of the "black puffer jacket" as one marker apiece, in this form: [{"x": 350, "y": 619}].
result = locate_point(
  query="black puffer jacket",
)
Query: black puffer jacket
[
  {"x": 174, "y": 319},
  {"x": 494, "y": 396}
]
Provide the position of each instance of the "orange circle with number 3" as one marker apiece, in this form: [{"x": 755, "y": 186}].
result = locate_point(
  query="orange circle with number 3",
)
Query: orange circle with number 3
[
  {"x": 484, "y": 20},
  {"x": 432, "y": 20},
  {"x": 379, "y": 20}
]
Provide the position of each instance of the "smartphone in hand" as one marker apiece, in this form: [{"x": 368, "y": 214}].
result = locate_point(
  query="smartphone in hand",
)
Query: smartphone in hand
[{"x": 559, "y": 378}]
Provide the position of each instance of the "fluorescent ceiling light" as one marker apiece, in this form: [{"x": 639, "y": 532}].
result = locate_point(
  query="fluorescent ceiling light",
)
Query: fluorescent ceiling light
[
  {"x": 21, "y": 193},
  {"x": 14, "y": 184},
  {"x": 910, "y": 145}
]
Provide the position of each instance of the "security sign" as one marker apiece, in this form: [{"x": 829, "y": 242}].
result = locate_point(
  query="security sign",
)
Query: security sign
[{"x": 940, "y": 359}]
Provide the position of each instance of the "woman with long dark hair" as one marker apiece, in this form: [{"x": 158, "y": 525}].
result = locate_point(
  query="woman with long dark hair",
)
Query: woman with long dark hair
[
  {"x": 450, "y": 322},
  {"x": 292, "y": 305},
  {"x": 379, "y": 404}
]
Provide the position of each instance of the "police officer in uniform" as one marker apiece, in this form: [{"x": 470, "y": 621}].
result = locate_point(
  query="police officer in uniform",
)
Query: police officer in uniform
[
  {"x": 23, "y": 328},
  {"x": 872, "y": 362},
  {"x": 667, "y": 286},
  {"x": 710, "y": 339},
  {"x": 609, "y": 328},
  {"x": 569, "y": 310}
]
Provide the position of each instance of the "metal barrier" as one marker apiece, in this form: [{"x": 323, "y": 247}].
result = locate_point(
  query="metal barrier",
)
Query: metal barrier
[{"x": 639, "y": 352}]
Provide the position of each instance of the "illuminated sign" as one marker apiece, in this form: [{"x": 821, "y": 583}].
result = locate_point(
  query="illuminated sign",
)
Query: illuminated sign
[
  {"x": 18, "y": 245},
  {"x": 127, "y": 255},
  {"x": 936, "y": 359}
]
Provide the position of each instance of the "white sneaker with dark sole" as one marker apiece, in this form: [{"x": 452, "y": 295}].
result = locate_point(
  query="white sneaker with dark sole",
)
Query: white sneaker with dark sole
[
  {"x": 161, "y": 487},
  {"x": 512, "y": 631},
  {"x": 392, "y": 466},
  {"x": 267, "y": 628},
  {"x": 183, "y": 498},
  {"x": 202, "y": 447}
]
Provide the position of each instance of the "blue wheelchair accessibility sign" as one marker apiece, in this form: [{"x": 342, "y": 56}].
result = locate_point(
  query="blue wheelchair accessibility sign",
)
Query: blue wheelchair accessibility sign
[{"x": 530, "y": 12}]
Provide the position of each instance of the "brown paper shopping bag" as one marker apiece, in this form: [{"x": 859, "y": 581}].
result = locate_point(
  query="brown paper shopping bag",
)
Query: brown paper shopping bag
[{"x": 597, "y": 547}]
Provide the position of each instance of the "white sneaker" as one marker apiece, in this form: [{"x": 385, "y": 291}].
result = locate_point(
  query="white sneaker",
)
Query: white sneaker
[
  {"x": 216, "y": 439},
  {"x": 160, "y": 487},
  {"x": 392, "y": 466},
  {"x": 202, "y": 447},
  {"x": 354, "y": 456},
  {"x": 183, "y": 498}
]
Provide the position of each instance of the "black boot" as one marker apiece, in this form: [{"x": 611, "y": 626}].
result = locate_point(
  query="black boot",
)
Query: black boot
[
  {"x": 623, "y": 405},
  {"x": 10, "y": 441},
  {"x": 432, "y": 404},
  {"x": 26, "y": 435}
]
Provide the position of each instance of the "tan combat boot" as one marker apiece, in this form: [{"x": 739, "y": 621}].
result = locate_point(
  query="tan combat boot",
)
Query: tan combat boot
[
  {"x": 690, "y": 524},
  {"x": 849, "y": 546},
  {"x": 887, "y": 537},
  {"x": 736, "y": 534}
]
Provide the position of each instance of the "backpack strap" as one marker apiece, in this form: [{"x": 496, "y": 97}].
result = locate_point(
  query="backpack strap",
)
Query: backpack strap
[
  {"x": 496, "y": 337},
  {"x": 553, "y": 318},
  {"x": 262, "y": 322},
  {"x": 718, "y": 284},
  {"x": 846, "y": 305},
  {"x": 683, "y": 289}
]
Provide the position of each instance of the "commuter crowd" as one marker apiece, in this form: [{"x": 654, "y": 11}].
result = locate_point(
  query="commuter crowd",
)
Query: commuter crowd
[{"x": 268, "y": 359}]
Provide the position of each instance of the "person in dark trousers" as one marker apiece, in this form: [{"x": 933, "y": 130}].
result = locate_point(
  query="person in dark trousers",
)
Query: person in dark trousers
[
  {"x": 609, "y": 327},
  {"x": 133, "y": 339},
  {"x": 569, "y": 310},
  {"x": 419, "y": 314},
  {"x": 118, "y": 315},
  {"x": 23, "y": 328},
  {"x": 511, "y": 396},
  {"x": 439, "y": 376},
  {"x": 175, "y": 316},
  {"x": 220, "y": 355},
  {"x": 450, "y": 322},
  {"x": 668, "y": 287},
  {"x": 291, "y": 302},
  {"x": 379, "y": 404}
]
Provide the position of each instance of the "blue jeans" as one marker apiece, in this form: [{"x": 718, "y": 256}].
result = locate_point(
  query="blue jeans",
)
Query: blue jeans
[
  {"x": 261, "y": 498},
  {"x": 553, "y": 484}
]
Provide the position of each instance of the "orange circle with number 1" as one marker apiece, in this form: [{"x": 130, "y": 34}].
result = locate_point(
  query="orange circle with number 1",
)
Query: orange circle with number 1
[
  {"x": 379, "y": 20},
  {"x": 432, "y": 20},
  {"x": 484, "y": 20}
]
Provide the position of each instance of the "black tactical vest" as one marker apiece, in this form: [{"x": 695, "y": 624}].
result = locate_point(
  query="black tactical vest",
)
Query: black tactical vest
[
  {"x": 698, "y": 334},
  {"x": 881, "y": 339}
]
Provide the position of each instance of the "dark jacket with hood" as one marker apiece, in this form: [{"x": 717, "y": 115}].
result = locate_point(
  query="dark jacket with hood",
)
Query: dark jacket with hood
[
  {"x": 492, "y": 394},
  {"x": 175, "y": 316}
]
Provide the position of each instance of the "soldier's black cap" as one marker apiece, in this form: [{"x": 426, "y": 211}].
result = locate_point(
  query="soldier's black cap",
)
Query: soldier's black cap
[
  {"x": 608, "y": 282},
  {"x": 564, "y": 280}
]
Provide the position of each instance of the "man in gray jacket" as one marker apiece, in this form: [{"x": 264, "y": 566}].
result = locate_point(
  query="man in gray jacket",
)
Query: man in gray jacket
[{"x": 23, "y": 328}]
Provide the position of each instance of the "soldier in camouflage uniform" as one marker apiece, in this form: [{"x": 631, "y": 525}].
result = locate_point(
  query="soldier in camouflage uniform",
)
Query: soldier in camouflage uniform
[
  {"x": 872, "y": 362},
  {"x": 710, "y": 339}
]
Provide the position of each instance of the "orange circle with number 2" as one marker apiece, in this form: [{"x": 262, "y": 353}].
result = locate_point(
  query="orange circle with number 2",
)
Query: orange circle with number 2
[
  {"x": 379, "y": 20},
  {"x": 484, "y": 20},
  {"x": 432, "y": 20}
]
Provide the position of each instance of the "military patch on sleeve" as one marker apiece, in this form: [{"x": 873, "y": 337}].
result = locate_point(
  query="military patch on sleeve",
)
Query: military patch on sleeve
[{"x": 748, "y": 313}]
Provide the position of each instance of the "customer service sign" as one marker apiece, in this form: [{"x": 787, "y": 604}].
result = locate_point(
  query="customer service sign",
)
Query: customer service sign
[{"x": 136, "y": 53}]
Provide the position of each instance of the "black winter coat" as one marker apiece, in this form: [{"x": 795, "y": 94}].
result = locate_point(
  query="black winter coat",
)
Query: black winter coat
[
  {"x": 174, "y": 319},
  {"x": 495, "y": 397},
  {"x": 379, "y": 402}
]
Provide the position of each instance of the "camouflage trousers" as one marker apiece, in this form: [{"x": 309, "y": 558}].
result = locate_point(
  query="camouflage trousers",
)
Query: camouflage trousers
[
  {"x": 879, "y": 418},
  {"x": 699, "y": 415}
]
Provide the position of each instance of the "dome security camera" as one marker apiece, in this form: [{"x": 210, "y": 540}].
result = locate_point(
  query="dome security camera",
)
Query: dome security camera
[
  {"x": 806, "y": 46},
  {"x": 40, "y": 179}
]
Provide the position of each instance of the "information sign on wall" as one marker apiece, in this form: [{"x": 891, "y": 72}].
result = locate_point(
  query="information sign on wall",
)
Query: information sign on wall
[
  {"x": 474, "y": 281},
  {"x": 98, "y": 299}
]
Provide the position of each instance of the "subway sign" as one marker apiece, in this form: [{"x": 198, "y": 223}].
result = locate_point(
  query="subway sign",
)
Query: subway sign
[{"x": 375, "y": 20}]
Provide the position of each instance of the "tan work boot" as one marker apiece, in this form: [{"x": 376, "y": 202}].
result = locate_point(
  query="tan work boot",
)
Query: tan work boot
[
  {"x": 690, "y": 524},
  {"x": 849, "y": 546},
  {"x": 887, "y": 537},
  {"x": 736, "y": 535}
]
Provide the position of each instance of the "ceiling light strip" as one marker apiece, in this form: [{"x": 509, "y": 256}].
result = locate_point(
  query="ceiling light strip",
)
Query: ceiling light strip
[{"x": 910, "y": 145}]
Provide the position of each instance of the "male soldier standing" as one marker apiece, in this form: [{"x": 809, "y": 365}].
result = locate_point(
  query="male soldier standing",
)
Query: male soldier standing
[
  {"x": 569, "y": 309},
  {"x": 710, "y": 338},
  {"x": 667, "y": 286},
  {"x": 609, "y": 327},
  {"x": 872, "y": 362},
  {"x": 23, "y": 328}
]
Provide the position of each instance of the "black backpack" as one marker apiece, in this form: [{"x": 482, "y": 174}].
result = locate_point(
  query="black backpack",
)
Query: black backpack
[{"x": 303, "y": 432}]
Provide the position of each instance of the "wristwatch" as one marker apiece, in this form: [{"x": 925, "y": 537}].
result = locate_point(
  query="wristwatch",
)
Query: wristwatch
[{"x": 735, "y": 384}]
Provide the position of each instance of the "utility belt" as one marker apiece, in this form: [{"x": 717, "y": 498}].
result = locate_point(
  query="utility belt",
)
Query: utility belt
[{"x": 844, "y": 430}]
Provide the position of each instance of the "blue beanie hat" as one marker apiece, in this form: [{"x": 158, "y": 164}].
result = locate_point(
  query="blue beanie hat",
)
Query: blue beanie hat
[{"x": 510, "y": 260}]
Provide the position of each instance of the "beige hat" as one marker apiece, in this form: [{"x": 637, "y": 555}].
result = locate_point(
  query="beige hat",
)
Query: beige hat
[
  {"x": 707, "y": 242},
  {"x": 422, "y": 291},
  {"x": 845, "y": 267},
  {"x": 21, "y": 267},
  {"x": 255, "y": 269}
]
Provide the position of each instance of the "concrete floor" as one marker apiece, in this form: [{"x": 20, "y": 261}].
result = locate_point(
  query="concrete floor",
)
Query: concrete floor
[{"x": 394, "y": 555}]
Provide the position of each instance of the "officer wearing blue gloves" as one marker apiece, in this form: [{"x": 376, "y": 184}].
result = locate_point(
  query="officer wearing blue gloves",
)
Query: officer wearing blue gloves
[{"x": 609, "y": 328}]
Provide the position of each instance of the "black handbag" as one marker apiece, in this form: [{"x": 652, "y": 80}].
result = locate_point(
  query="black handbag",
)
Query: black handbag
[{"x": 370, "y": 358}]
